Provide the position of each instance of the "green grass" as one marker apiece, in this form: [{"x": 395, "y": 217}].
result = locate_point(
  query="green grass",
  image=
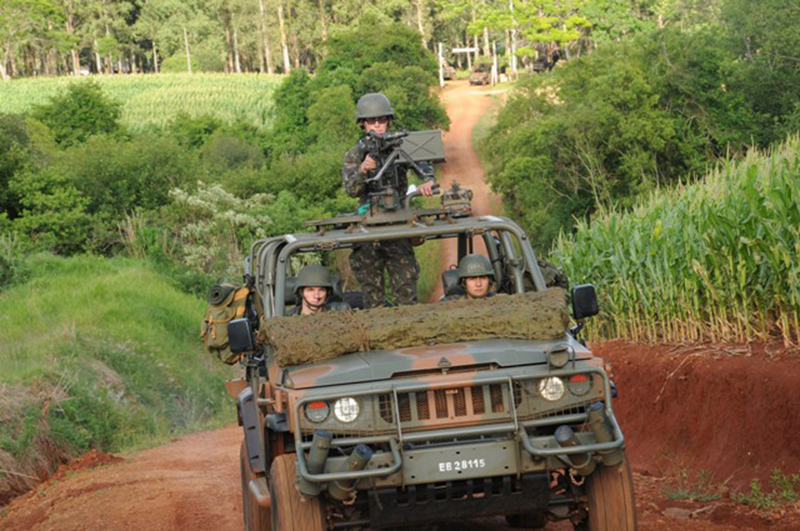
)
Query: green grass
[
  {"x": 701, "y": 490},
  {"x": 716, "y": 260},
  {"x": 100, "y": 353},
  {"x": 154, "y": 99}
]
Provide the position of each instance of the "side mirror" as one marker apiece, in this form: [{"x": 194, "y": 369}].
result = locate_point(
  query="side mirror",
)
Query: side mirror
[
  {"x": 584, "y": 302},
  {"x": 240, "y": 336}
]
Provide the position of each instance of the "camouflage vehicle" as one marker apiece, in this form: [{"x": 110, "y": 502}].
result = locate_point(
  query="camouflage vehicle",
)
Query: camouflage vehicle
[{"x": 523, "y": 429}]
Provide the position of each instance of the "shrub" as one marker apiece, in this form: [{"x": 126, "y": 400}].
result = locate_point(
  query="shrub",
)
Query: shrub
[
  {"x": 54, "y": 213},
  {"x": 78, "y": 113}
]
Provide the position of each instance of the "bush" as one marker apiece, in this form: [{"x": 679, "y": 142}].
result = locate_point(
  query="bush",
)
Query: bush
[
  {"x": 191, "y": 131},
  {"x": 54, "y": 213},
  {"x": 78, "y": 113}
]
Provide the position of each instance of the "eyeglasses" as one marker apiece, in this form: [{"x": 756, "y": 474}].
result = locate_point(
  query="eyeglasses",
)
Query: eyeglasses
[{"x": 379, "y": 120}]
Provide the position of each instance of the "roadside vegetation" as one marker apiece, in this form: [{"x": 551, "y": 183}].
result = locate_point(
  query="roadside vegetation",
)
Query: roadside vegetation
[
  {"x": 711, "y": 260},
  {"x": 98, "y": 353}
]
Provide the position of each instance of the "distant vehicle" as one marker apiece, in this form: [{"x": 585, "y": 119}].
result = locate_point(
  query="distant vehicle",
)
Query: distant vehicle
[
  {"x": 481, "y": 75},
  {"x": 448, "y": 72}
]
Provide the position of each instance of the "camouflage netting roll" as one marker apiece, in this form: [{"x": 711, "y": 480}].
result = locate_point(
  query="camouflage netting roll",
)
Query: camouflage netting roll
[{"x": 309, "y": 339}]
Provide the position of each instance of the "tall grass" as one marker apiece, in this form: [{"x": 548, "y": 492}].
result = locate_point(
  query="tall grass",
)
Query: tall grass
[
  {"x": 98, "y": 353},
  {"x": 716, "y": 260},
  {"x": 154, "y": 99}
]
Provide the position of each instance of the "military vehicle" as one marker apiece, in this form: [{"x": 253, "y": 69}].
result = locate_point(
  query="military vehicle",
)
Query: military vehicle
[{"x": 377, "y": 439}]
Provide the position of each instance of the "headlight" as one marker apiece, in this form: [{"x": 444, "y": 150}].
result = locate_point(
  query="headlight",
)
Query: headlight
[
  {"x": 346, "y": 409},
  {"x": 317, "y": 411},
  {"x": 551, "y": 388}
]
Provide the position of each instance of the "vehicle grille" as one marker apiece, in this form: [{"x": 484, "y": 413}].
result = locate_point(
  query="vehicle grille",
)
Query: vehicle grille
[{"x": 459, "y": 403}]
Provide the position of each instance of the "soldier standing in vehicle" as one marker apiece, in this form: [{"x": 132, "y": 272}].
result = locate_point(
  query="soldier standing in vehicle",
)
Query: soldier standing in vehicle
[
  {"x": 476, "y": 275},
  {"x": 313, "y": 292},
  {"x": 374, "y": 113}
]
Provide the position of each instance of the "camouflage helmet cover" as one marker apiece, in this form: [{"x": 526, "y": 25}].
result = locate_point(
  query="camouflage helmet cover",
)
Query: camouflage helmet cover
[
  {"x": 475, "y": 265},
  {"x": 312, "y": 276},
  {"x": 373, "y": 105}
]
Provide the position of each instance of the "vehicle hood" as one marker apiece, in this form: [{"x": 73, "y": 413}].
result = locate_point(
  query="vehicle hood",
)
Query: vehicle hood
[{"x": 384, "y": 364}]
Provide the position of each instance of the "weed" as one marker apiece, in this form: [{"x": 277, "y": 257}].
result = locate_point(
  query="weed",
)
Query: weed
[
  {"x": 700, "y": 490},
  {"x": 784, "y": 492}
]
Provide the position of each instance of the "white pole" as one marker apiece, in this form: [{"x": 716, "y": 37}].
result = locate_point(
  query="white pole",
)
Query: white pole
[{"x": 441, "y": 67}]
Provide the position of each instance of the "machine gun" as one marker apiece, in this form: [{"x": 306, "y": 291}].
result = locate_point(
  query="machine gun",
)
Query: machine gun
[{"x": 418, "y": 150}]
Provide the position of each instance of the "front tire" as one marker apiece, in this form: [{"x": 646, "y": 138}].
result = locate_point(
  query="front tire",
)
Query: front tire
[
  {"x": 291, "y": 511},
  {"x": 611, "y": 504},
  {"x": 256, "y": 518}
]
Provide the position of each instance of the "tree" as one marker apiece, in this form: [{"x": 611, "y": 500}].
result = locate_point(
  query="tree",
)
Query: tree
[
  {"x": 78, "y": 113},
  {"x": 21, "y": 20}
]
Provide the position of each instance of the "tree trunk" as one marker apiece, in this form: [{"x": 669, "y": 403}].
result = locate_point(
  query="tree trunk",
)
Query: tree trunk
[
  {"x": 287, "y": 67},
  {"x": 265, "y": 40},
  {"x": 97, "y": 60},
  {"x": 155, "y": 58},
  {"x": 323, "y": 22},
  {"x": 474, "y": 37},
  {"x": 236, "y": 60},
  {"x": 3, "y": 60},
  {"x": 420, "y": 4},
  {"x": 188, "y": 52},
  {"x": 133, "y": 62},
  {"x": 469, "y": 57},
  {"x": 109, "y": 62},
  {"x": 487, "y": 49},
  {"x": 295, "y": 43}
]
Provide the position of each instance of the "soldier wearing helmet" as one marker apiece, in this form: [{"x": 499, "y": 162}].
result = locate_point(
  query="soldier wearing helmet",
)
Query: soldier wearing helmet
[
  {"x": 313, "y": 292},
  {"x": 374, "y": 113},
  {"x": 476, "y": 275}
]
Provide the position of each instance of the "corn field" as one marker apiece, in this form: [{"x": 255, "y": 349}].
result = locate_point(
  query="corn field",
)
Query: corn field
[
  {"x": 716, "y": 260},
  {"x": 155, "y": 99}
]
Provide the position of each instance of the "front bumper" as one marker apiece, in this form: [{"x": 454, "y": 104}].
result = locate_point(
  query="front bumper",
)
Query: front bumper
[{"x": 421, "y": 457}]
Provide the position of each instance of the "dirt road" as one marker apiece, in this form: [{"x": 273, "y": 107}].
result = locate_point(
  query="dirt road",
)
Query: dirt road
[
  {"x": 465, "y": 107},
  {"x": 729, "y": 411}
]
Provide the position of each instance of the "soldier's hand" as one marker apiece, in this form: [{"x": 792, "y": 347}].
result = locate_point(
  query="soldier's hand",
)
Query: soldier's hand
[
  {"x": 426, "y": 188},
  {"x": 368, "y": 165}
]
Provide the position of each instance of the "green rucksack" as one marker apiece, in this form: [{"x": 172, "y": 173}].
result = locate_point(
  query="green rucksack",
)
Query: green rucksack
[{"x": 225, "y": 303}]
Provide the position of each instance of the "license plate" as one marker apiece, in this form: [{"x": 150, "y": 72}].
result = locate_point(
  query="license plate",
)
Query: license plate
[{"x": 462, "y": 465}]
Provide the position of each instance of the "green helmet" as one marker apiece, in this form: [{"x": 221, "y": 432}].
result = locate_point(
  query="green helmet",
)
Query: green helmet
[
  {"x": 373, "y": 105},
  {"x": 475, "y": 265},
  {"x": 313, "y": 276}
]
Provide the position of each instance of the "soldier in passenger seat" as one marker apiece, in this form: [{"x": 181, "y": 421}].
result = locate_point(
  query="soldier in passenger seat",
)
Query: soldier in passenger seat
[{"x": 313, "y": 292}]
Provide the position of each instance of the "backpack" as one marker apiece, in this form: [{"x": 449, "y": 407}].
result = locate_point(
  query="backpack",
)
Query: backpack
[{"x": 225, "y": 303}]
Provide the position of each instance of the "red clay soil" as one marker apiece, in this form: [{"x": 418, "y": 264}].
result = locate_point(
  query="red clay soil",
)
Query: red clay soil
[{"x": 667, "y": 394}]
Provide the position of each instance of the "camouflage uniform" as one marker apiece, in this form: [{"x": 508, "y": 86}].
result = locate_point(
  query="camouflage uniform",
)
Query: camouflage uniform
[{"x": 369, "y": 260}]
